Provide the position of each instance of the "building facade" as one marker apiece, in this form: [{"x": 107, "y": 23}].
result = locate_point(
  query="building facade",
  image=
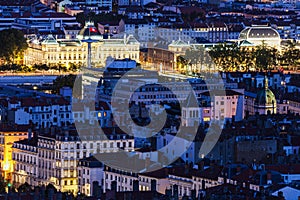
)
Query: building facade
[
  {"x": 53, "y": 51},
  {"x": 7, "y": 138},
  {"x": 58, "y": 156}
]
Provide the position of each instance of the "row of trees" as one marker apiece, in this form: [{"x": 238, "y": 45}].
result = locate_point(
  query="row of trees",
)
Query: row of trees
[
  {"x": 259, "y": 58},
  {"x": 231, "y": 57},
  {"x": 13, "y": 44}
]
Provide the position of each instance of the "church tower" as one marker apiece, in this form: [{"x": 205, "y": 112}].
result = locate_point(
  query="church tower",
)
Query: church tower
[
  {"x": 191, "y": 112},
  {"x": 265, "y": 102}
]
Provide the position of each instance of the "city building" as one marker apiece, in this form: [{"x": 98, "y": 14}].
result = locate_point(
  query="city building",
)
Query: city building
[
  {"x": 59, "y": 152},
  {"x": 25, "y": 157},
  {"x": 211, "y": 32},
  {"x": 39, "y": 111},
  {"x": 265, "y": 101},
  {"x": 90, "y": 176},
  {"x": 53, "y": 51},
  {"x": 257, "y": 35},
  {"x": 9, "y": 135},
  {"x": 226, "y": 104}
]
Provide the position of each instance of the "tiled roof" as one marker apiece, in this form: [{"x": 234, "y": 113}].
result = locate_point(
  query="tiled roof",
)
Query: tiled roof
[
  {"x": 213, "y": 172},
  {"x": 221, "y": 93},
  {"x": 29, "y": 142},
  {"x": 161, "y": 173},
  {"x": 285, "y": 168}
]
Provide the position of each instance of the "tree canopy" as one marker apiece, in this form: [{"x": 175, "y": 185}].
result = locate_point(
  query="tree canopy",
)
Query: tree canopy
[
  {"x": 231, "y": 57},
  {"x": 13, "y": 44}
]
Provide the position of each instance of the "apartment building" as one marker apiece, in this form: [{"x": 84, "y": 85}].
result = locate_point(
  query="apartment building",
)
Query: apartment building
[
  {"x": 226, "y": 104},
  {"x": 25, "y": 156},
  {"x": 207, "y": 178},
  {"x": 100, "y": 3},
  {"x": 124, "y": 180},
  {"x": 44, "y": 22},
  {"x": 168, "y": 92},
  {"x": 212, "y": 32},
  {"x": 39, "y": 111},
  {"x": 102, "y": 114},
  {"x": 9, "y": 135},
  {"x": 58, "y": 154},
  {"x": 90, "y": 175},
  {"x": 178, "y": 180}
]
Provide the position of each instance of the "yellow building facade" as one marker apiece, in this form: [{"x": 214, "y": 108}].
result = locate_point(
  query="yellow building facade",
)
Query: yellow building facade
[
  {"x": 53, "y": 51},
  {"x": 7, "y": 138}
]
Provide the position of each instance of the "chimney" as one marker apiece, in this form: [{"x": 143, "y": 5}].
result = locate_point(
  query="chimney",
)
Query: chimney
[
  {"x": 153, "y": 185},
  {"x": 135, "y": 185}
]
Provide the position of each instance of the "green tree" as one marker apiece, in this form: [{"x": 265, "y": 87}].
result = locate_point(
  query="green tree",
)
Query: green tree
[
  {"x": 181, "y": 63},
  {"x": 197, "y": 59},
  {"x": 291, "y": 56},
  {"x": 217, "y": 55},
  {"x": 74, "y": 67},
  {"x": 226, "y": 57},
  {"x": 247, "y": 59},
  {"x": 265, "y": 57},
  {"x": 13, "y": 44},
  {"x": 62, "y": 81}
]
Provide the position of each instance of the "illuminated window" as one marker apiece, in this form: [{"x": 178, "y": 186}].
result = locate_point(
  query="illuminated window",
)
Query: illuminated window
[
  {"x": 206, "y": 119},
  {"x": 99, "y": 114}
]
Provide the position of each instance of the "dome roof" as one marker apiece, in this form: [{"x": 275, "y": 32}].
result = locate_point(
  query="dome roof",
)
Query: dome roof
[
  {"x": 265, "y": 96},
  {"x": 89, "y": 31},
  {"x": 259, "y": 32}
]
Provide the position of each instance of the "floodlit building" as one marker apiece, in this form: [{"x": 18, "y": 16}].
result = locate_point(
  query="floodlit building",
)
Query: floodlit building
[
  {"x": 256, "y": 35},
  {"x": 52, "y": 51},
  {"x": 25, "y": 156},
  {"x": 7, "y": 137},
  {"x": 265, "y": 101}
]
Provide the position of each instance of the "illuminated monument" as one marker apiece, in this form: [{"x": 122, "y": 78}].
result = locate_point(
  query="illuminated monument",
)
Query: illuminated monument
[
  {"x": 265, "y": 101},
  {"x": 89, "y": 34}
]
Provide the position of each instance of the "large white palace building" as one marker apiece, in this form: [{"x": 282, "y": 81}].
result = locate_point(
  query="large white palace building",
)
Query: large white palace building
[{"x": 52, "y": 51}]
